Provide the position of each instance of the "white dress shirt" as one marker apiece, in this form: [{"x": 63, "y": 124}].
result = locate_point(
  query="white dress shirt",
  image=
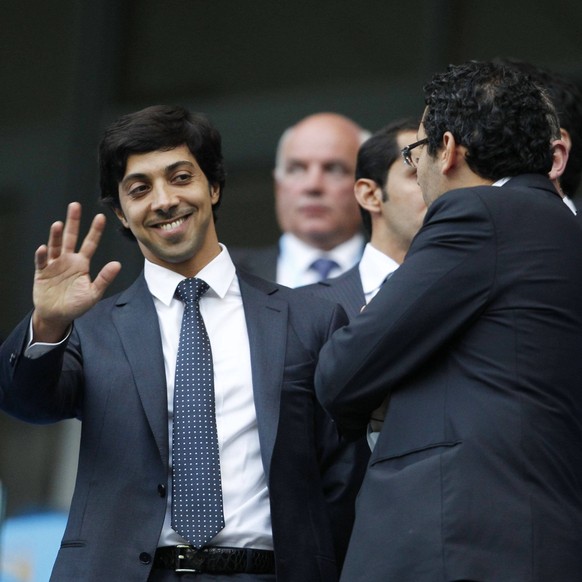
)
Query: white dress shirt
[
  {"x": 245, "y": 495},
  {"x": 570, "y": 204},
  {"x": 296, "y": 257},
  {"x": 374, "y": 267}
]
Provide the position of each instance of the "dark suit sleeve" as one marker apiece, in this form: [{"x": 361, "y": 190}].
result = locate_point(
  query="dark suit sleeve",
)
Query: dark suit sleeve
[
  {"x": 41, "y": 390},
  {"x": 342, "y": 465},
  {"x": 439, "y": 290}
]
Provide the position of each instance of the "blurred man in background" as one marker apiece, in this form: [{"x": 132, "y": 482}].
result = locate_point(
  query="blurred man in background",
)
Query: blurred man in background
[
  {"x": 314, "y": 202},
  {"x": 392, "y": 210}
]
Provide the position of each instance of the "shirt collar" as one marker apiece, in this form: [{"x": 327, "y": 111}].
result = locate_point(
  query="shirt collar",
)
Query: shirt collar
[
  {"x": 374, "y": 267},
  {"x": 219, "y": 274},
  {"x": 345, "y": 254}
]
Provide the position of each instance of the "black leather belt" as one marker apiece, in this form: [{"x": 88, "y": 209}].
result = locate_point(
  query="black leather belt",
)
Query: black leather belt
[{"x": 214, "y": 560}]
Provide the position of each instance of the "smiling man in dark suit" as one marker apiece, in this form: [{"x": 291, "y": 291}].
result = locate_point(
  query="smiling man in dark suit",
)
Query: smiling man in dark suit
[
  {"x": 111, "y": 364},
  {"x": 473, "y": 343}
]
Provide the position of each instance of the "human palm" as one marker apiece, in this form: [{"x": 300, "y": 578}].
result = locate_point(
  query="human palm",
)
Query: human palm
[{"x": 63, "y": 289}]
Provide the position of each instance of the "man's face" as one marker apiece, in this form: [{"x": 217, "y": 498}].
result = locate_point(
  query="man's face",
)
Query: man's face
[
  {"x": 166, "y": 202},
  {"x": 315, "y": 180},
  {"x": 427, "y": 171},
  {"x": 404, "y": 209}
]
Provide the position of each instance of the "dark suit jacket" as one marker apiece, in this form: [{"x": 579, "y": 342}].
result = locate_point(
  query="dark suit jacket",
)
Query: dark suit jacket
[
  {"x": 110, "y": 374},
  {"x": 477, "y": 473},
  {"x": 259, "y": 261},
  {"x": 346, "y": 290}
]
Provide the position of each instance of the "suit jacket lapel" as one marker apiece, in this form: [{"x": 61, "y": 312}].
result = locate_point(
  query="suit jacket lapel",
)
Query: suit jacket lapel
[
  {"x": 266, "y": 318},
  {"x": 137, "y": 324}
]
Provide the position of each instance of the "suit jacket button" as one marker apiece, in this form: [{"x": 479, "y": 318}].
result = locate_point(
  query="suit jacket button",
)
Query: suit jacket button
[
  {"x": 161, "y": 490},
  {"x": 145, "y": 558},
  {"x": 13, "y": 358}
]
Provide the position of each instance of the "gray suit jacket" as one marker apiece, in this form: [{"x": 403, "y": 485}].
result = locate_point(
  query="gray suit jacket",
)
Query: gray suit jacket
[{"x": 110, "y": 374}]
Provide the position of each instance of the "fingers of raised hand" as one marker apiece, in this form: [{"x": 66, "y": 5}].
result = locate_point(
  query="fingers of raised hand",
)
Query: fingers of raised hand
[
  {"x": 55, "y": 241},
  {"x": 91, "y": 241},
  {"x": 41, "y": 257},
  {"x": 63, "y": 238},
  {"x": 71, "y": 229}
]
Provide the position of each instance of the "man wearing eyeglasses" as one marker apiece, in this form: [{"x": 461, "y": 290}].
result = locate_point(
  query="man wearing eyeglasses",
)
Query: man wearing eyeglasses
[{"x": 473, "y": 343}]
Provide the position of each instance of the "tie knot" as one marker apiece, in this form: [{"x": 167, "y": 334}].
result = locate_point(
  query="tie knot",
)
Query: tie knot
[
  {"x": 190, "y": 290},
  {"x": 323, "y": 266}
]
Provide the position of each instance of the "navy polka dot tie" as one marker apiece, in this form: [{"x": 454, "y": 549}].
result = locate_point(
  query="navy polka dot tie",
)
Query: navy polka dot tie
[{"x": 196, "y": 488}]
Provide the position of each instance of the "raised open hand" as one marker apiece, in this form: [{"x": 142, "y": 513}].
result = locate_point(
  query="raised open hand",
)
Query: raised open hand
[{"x": 63, "y": 289}]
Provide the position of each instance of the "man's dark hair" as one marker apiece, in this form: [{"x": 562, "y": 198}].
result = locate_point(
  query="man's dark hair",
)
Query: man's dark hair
[
  {"x": 566, "y": 97},
  {"x": 158, "y": 128},
  {"x": 377, "y": 154},
  {"x": 498, "y": 113}
]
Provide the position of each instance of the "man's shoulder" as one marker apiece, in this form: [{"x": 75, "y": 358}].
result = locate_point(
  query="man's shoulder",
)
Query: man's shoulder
[
  {"x": 307, "y": 313},
  {"x": 526, "y": 184},
  {"x": 336, "y": 287},
  {"x": 346, "y": 290},
  {"x": 261, "y": 261},
  {"x": 348, "y": 278},
  {"x": 463, "y": 202},
  {"x": 299, "y": 297}
]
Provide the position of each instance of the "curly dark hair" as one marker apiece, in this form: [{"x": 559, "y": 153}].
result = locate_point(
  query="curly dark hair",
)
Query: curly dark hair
[
  {"x": 498, "y": 113},
  {"x": 158, "y": 128},
  {"x": 566, "y": 97}
]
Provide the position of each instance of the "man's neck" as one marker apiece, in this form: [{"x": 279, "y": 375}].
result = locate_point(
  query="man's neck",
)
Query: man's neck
[{"x": 390, "y": 246}]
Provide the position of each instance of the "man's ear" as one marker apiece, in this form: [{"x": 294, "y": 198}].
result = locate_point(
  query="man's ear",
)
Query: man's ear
[
  {"x": 214, "y": 193},
  {"x": 368, "y": 194},
  {"x": 565, "y": 135},
  {"x": 559, "y": 158},
  {"x": 121, "y": 216},
  {"x": 449, "y": 154}
]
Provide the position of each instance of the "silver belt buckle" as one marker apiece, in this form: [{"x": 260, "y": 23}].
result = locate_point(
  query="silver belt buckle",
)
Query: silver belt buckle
[{"x": 178, "y": 565}]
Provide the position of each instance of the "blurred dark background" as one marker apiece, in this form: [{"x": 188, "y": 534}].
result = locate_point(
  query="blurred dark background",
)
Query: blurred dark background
[{"x": 70, "y": 67}]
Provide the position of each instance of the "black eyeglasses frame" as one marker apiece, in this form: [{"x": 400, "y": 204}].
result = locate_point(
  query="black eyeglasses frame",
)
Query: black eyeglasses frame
[{"x": 406, "y": 151}]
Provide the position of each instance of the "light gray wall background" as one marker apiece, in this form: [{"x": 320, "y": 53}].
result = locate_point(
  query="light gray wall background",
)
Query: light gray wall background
[{"x": 255, "y": 67}]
